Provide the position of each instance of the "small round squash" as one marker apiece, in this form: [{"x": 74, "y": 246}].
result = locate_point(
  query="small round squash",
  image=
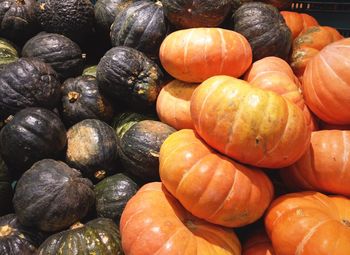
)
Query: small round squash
[
  {"x": 28, "y": 82},
  {"x": 64, "y": 55},
  {"x": 51, "y": 196},
  {"x": 92, "y": 148},
  {"x": 33, "y": 134},
  {"x": 251, "y": 125},
  {"x": 264, "y": 28},
  {"x": 193, "y": 55},
  {"x": 82, "y": 99},
  {"x": 99, "y": 236},
  {"x": 16, "y": 239}
]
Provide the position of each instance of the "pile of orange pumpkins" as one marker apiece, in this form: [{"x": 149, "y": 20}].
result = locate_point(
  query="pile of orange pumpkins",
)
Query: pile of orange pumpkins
[{"x": 242, "y": 125}]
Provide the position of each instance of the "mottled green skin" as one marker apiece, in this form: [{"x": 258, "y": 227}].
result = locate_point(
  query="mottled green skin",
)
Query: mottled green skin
[
  {"x": 141, "y": 26},
  {"x": 265, "y": 29},
  {"x": 97, "y": 237},
  {"x": 20, "y": 240},
  {"x": 72, "y": 18},
  {"x": 193, "y": 13},
  {"x": 139, "y": 148},
  {"x": 91, "y": 70},
  {"x": 6, "y": 191},
  {"x": 8, "y": 53},
  {"x": 112, "y": 194},
  {"x": 64, "y": 55},
  {"x": 51, "y": 196},
  {"x": 129, "y": 76}
]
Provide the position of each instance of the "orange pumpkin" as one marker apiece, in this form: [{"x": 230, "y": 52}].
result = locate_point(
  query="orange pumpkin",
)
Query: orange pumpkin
[
  {"x": 153, "y": 222},
  {"x": 173, "y": 104},
  {"x": 298, "y": 22},
  {"x": 324, "y": 167},
  {"x": 258, "y": 243},
  {"x": 195, "y": 54},
  {"x": 274, "y": 74},
  {"x": 309, "y": 223},
  {"x": 326, "y": 83},
  {"x": 308, "y": 44},
  {"x": 251, "y": 125},
  {"x": 211, "y": 186}
]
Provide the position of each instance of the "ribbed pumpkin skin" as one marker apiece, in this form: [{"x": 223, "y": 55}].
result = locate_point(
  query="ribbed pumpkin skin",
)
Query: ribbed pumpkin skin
[
  {"x": 193, "y": 55},
  {"x": 196, "y": 180},
  {"x": 274, "y": 74},
  {"x": 298, "y": 22},
  {"x": 154, "y": 222},
  {"x": 308, "y": 44},
  {"x": 190, "y": 13},
  {"x": 173, "y": 104},
  {"x": 309, "y": 223},
  {"x": 264, "y": 28},
  {"x": 326, "y": 83},
  {"x": 324, "y": 167},
  {"x": 258, "y": 244},
  {"x": 16, "y": 239},
  {"x": 249, "y": 124},
  {"x": 99, "y": 236},
  {"x": 141, "y": 26}
]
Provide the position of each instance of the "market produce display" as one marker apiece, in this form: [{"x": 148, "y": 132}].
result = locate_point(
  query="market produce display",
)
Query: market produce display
[{"x": 163, "y": 127}]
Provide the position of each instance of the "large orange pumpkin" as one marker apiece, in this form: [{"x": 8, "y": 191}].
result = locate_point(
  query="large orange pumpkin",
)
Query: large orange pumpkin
[
  {"x": 258, "y": 243},
  {"x": 154, "y": 223},
  {"x": 195, "y": 54},
  {"x": 326, "y": 83},
  {"x": 309, "y": 223},
  {"x": 251, "y": 125},
  {"x": 274, "y": 74},
  {"x": 211, "y": 186},
  {"x": 325, "y": 166},
  {"x": 308, "y": 44},
  {"x": 298, "y": 22},
  {"x": 173, "y": 104}
]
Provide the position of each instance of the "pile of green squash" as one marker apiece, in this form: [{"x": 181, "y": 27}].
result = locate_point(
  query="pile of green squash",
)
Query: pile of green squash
[{"x": 85, "y": 109}]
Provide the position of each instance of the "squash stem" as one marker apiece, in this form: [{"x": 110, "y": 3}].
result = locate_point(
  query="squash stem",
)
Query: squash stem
[
  {"x": 5, "y": 230},
  {"x": 73, "y": 96},
  {"x": 346, "y": 223},
  {"x": 100, "y": 174},
  {"x": 77, "y": 225}
]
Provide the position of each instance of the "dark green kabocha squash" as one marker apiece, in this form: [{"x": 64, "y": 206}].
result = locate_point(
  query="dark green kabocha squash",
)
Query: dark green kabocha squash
[
  {"x": 16, "y": 239},
  {"x": 92, "y": 148},
  {"x": 142, "y": 26},
  {"x": 129, "y": 76},
  {"x": 139, "y": 148},
  {"x": 64, "y": 55},
  {"x": 17, "y": 19},
  {"x": 112, "y": 194},
  {"x": 33, "y": 134},
  {"x": 8, "y": 53},
  {"x": 190, "y": 13},
  {"x": 51, "y": 196},
  {"x": 72, "y": 18},
  {"x": 90, "y": 70},
  {"x": 28, "y": 82},
  {"x": 265, "y": 29},
  {"x": 6, "y": 192},
  {"x": 107, "y": 10},
  {"x": 99, "y": 236},
  {"x": 81, "y": 99}
]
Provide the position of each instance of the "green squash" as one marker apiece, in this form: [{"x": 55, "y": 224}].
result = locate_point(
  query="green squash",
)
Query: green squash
[
  {"x": 90, "y": 70},
  {"x": 8, "y": 53},
  {"x": 6, "y": 192},
  {"x": 51, "y": 196},
  {"x": 112, "y": 194},
  {"x": 139, "y": 148},
  {"x": 15, "y": 239},
  {"x": 100, "y": 236}
]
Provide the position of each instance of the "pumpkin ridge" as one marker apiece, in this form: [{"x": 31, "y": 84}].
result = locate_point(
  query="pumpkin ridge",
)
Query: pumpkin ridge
[
  {"x": 346, "y": 145},
  {"x": 185, "y": 64},
  {"x": 223, "y": 50},
  {"x": 148, "y": 24},
  {"x": 169, "y": 239}
]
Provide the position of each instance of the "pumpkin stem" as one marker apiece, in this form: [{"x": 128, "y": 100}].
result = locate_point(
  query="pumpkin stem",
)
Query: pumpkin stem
[
  {"x": 159, "y": 3},
  {"x": 5, "y": 230},
  {"x": 100, "y": 174},
  {"x": 346, "y": 223},
  {"x": 76, "y": 225},
  {"x": 73, "y": 96},
  {"x": 8, "y": 119}
]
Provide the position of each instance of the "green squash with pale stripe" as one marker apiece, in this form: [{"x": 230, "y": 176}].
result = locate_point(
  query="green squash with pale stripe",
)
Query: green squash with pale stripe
[{"x": 8, "y": 53}]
